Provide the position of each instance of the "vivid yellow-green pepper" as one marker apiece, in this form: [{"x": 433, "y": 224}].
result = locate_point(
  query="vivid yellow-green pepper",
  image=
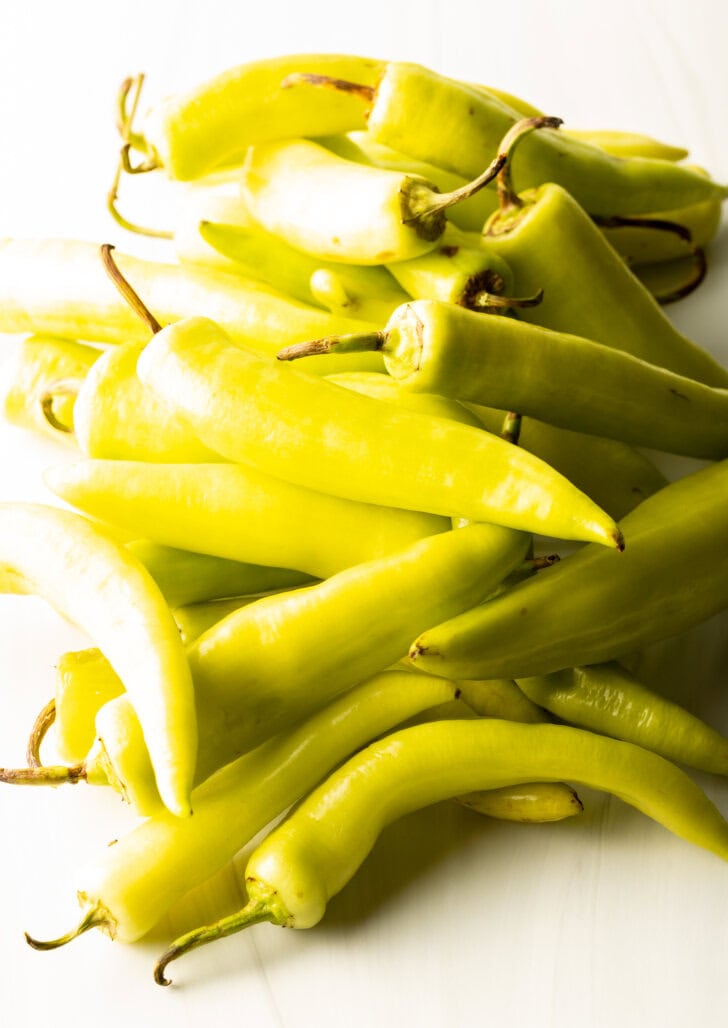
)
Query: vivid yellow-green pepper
[
  {"x": 311, "y": 855},
  {"x": 311, "y": 432}
]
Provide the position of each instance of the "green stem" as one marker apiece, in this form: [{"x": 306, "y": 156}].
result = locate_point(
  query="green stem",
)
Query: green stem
[
  {"x": 499, "y": 167},
  {"x": 63, "y": 387},
  {"x": 511, "y": 430},
  {"x": 253, "y": 913},
  {"x": 507, "y": 197},
  {"x": 355, "y": 342},
  {"x": 113, "y": 195},
  {"x": 96, "y": 917},
  {"x": 485, "y": 300}
]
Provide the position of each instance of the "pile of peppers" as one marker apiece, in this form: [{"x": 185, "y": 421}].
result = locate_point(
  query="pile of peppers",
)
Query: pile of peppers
[{"x": 419, "y": 563}]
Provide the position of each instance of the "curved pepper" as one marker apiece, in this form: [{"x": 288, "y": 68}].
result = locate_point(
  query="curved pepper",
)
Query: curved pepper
[
  {"x": 132, "y": 884},
  {"x": 192, "y": 132},
  {"x": 456, "y": 126},
  {"x": 100, "y": 587},
  {"x": 575, "y": 383},
  {"x": 606, "y": 698},
  {"x": 266, "y": 666},
  {"x": 308, "y": 858},
  {"x": 616, "y": 476},
  {"x": 311, "y": 432},
  {"x": 672, "y": 575}
]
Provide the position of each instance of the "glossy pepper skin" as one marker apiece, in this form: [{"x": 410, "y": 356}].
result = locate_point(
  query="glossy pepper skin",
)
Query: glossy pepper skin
[
  {"x": 102, "y": 588},
  {"x": 135, "y": 882},
  {"x": 336, "y": 209},
  {"x": 569, "y": 381},
  {"x": 311, "y": 855},
  {"x": 269, "y": 664},
  {"x": 458, "y": 127},
  {"x": 585, "y": 610},
  {"x": 615, "y": 475},
  {"x": 549, "y": 243},
  {"x": 192, "y": 132},
  {"x": 79, "y": 301},
  {"x": 311, "y": 432},
  {"x": 239, "y": 513}
]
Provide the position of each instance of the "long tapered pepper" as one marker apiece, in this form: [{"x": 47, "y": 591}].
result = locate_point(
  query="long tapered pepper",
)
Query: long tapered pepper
[
  {"x": 102, "y": 588},
  {"x": 613, "y": 474},
  {"x": 585, "y": 609},
  {"x": 308, "y": 858},
  {"x": 78, "y": 300},
  {"x": 569, "y": 381},
  {"x": 269, "y": 664},
  {"x": 456, "y": 126},
  {"x": 131, "y": 885},
  {"x": 234, "y": 511},
  {"x": 313, "y": 433}
]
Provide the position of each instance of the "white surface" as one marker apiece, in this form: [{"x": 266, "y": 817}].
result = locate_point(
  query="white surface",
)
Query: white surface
[{"x": 608, "y": 921}]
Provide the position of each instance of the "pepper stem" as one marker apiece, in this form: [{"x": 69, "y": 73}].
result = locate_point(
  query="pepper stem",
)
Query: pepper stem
[
  {"x": 125, "y": 120},
  {"x": 38, "y": 733},
  {"x": 485, "y": 300},
  {"x": 125, "y": 165},
  {"x": 131, "y": 297},
  {"x": 253, "y": 913},
  {"x": 511, "y": 430},
  {"x": 96, "y": 917},
  {"x": 507, "y": 197},
  {"x": 54, "y": 774},
  {"x": 355, "y": 342},
  {"x": 63, "y": 387}
]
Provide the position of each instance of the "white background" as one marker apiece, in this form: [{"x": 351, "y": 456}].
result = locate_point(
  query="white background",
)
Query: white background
[{"x": 604, "y": 922}]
